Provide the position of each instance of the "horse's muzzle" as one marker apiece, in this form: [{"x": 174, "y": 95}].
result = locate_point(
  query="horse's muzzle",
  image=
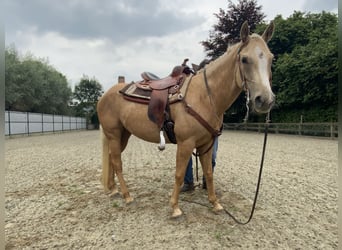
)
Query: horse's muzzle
[{"x": 263, "y": 104}]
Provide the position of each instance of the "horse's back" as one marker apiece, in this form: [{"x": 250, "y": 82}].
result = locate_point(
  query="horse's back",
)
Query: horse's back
[
  {"x": 108, "y": 107},
  {"x": 110, "y": 95}
]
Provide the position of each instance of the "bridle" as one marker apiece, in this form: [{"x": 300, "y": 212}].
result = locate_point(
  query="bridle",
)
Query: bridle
[
  {"x": 244, "y": 83},
  {"x": 267, "y": 121}
]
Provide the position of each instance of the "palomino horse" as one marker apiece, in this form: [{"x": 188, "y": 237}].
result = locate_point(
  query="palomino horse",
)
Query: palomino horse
[{"x": 245, "y": 66}]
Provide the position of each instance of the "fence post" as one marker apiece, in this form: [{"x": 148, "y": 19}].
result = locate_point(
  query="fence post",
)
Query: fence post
[
  {"x": 300, "y": 125},
  {"x": 28, "y": 122},
  {"x": 331, "y": 130},
  {"x": 9, "y": 122},
  {"x": 42, "y": 122}
]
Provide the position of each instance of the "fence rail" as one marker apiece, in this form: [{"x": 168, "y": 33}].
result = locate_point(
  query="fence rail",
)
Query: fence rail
[
  {"x": 28, "y": 123},
  {"x": 326, "y": 129}
]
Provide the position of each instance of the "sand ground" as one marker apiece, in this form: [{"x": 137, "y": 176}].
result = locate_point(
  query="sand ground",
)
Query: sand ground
[{"x": 54, "y": 199}]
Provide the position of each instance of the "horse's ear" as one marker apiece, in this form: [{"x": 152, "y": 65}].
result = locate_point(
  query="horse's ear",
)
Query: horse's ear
[
  {"x": 244, "y": 32},
  {"x": 268, "y": 33},
  {"x": 195, "y": 67}
]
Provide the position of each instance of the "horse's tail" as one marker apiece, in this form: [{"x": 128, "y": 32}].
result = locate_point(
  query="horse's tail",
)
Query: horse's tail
[{"x": 106, "y": 169}]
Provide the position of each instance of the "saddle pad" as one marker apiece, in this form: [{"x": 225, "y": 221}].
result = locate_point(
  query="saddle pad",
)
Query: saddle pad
[{"x": 132, "y": 93}]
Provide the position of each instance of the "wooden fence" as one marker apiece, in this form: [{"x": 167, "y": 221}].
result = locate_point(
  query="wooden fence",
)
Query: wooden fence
[{"x": 325, "y": 129}]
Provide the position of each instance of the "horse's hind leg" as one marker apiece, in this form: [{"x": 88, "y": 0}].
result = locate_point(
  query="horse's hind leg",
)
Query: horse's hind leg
[
  {"x": 116, "y": 146},
  {"x": 108, "y": 174}
]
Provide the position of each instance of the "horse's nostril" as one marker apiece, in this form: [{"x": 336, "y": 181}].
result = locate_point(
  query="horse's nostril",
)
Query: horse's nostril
[
  {"x": 263, "y": 104},
  {"x": 258, "y": 101},
  {"x": 271, "y": 103}
]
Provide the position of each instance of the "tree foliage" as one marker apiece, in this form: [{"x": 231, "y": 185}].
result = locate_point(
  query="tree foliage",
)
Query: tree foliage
[
  {"x": 87, "y": 93},
  {"x": 305, "y": 69},
  {"x": 227, "y": 30},
  {"x": 33, "y": 85}
]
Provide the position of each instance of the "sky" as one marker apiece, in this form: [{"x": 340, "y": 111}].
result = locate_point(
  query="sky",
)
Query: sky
[{"x": 105, "y": 39}]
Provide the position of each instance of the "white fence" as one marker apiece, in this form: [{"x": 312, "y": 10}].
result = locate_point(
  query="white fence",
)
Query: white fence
[{"x": 28, "y": 123}]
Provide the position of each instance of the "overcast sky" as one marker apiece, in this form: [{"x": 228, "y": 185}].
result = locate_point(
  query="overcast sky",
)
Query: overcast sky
[{"x": 108, "y": 38}]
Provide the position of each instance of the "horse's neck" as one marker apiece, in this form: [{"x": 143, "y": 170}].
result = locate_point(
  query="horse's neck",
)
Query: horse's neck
[{"x": 221, "y": 80}]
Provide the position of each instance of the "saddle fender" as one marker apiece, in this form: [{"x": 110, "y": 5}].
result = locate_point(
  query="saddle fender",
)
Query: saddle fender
[{"x": 157, "y": 105}]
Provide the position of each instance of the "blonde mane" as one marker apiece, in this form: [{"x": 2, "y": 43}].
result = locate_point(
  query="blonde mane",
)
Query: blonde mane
[{"x": 218, "y": 60}]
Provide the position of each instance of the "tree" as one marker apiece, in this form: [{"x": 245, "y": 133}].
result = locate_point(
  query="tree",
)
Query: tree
[
  {"x": 306, "y": 70},
  {"x": 33, "y": 85},
  {"x": 227, "y": 32},
  {"x": 86, "y": 95},
  {"x": 12, "y": 68}
]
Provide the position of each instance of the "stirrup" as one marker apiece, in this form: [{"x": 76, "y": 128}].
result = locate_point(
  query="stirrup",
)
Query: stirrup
[{"x": 161, "y": 146}]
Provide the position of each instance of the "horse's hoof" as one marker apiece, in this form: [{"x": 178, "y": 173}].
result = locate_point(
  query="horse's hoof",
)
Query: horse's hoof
[
  {"x": 217, "y": 208},
  {"x": 161, "y": 147},
  {"x": 176, "y": 213},
  {"x": 113, "y": 193},
  {"x": 129, "y": 200}
]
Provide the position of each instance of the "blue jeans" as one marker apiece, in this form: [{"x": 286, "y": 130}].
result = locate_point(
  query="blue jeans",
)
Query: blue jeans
[{"x": 189, "y": 178}]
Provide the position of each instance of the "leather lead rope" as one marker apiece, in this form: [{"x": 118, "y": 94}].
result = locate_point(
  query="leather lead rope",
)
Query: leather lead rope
[
  {"x": 259, "y": 177},
  {"x": 258, "y": 183}
]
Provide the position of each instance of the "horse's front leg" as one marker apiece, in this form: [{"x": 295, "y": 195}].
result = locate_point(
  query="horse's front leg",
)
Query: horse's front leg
[
  {"x": 206, "y": 162},
  {"x": 183, "y": 157}
]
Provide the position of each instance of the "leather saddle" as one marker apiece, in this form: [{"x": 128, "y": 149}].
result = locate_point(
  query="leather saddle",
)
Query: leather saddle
[
  {"x": 172, "y": 82},
  {"x": 160, "y": 90},
  {"x": 155, "y": 91}
]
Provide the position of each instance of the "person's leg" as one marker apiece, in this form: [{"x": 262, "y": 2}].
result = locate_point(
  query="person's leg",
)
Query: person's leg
[
  {"x": 215, "y": 147},
  {"x": 188, "y": 178}
]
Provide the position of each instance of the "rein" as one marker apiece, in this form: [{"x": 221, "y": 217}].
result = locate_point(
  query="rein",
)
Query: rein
[
  {"x": 267, "y": 121},
  {"x": 244, "y": 84}
]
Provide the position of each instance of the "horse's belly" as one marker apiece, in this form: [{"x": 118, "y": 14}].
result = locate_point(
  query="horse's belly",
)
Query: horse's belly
[
  {"x": 145, "y": 134},
  {"x": 138, "y": 124}
]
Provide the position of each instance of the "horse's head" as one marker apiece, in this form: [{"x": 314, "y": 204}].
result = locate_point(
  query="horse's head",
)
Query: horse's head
[{"x": 255, "y": 59}]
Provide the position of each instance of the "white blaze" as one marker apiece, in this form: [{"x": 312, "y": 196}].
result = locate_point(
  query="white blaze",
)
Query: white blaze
[{"x": 263, "y": 67}]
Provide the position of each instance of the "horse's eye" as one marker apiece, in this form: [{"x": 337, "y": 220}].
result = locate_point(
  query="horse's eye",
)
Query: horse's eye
[{"x": 244, "y": 59}]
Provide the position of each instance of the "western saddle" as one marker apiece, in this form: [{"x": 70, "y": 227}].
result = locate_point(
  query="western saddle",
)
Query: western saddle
[{"x": 155, "y": 92}]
